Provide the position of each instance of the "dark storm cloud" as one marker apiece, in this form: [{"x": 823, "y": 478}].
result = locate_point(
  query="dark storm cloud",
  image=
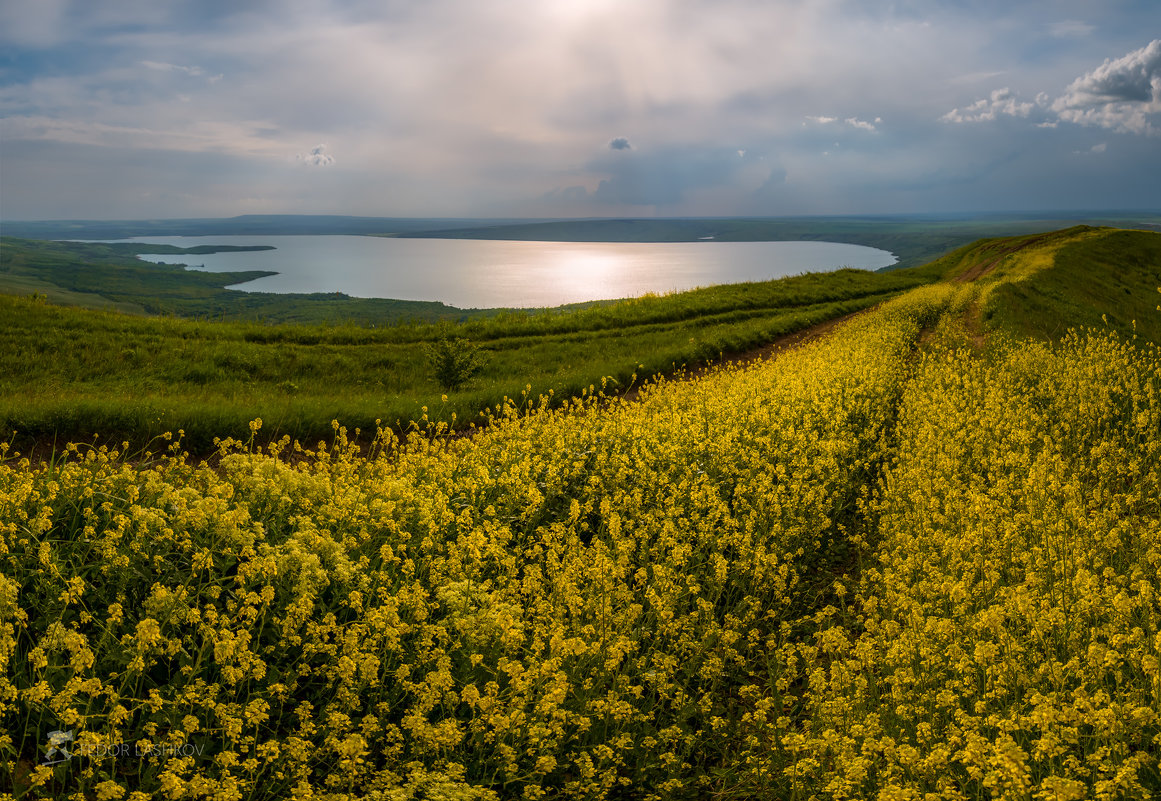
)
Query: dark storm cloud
[{"x": 620, "y": 143}]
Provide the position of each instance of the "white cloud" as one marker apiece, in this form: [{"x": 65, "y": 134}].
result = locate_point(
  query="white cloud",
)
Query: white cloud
[
  {"x": 468, "y": 107},
  {"x": 1069, "y": 29},
  {"x": 854, "y": 122},
  {"x": 162, "y": 66},
  {"x": 1000, "y": 102},
  {"x": 1123, "y": 94},
  {"x": 317, "y": 157}
]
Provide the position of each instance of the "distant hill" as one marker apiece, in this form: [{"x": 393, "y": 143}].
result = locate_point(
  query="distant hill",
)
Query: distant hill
[
  {"x": 242, "y": 225},
  {"x": 245, "y": 225},
  {"x": 1042, "y": 285},
  {"x": 913, "y": 239}
]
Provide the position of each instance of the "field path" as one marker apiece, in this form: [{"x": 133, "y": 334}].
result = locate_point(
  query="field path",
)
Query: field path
[{"x": 977, "y": 271}]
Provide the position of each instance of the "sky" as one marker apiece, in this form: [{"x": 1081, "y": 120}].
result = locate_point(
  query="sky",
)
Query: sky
[{"x": 121, "y": 109}]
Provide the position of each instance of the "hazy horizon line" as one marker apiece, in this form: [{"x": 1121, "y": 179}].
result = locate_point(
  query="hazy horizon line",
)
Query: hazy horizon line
[{"x": 964, "y": 214}]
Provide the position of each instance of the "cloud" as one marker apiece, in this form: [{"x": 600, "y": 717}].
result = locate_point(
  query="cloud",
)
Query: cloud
[
  {"x": 854, "y": 122},
  {"x": 1069, "y": 29},
  {"x": 199, "y": 136},
  {"x": 772, "y": 188},
  {"x": 483, "y": 108},
  {"x": 317, "y": 157},
  {"x": 567, "y": 194},
  {"x": 37, "y": 24},
  {"x": 1000, "y": 102},
  {"x": 1122, "y": 94},
  {"x": 192, "y": 71},
  {"x": 162, "y": 66},
  {"x": 665, "y": 176}
]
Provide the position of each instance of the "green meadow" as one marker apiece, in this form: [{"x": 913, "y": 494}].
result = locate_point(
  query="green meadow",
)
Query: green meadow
[
  {"x": 914, "y": 557},
  {"x": 217, "y": 358},
  {"x": 82, "y": 357}
]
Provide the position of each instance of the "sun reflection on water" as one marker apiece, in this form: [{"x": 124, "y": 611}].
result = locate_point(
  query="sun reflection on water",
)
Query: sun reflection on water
[{"x": 585, "y": 271}]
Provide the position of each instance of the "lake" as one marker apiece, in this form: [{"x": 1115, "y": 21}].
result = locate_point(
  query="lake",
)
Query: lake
[{"x": 473, "y": 273}]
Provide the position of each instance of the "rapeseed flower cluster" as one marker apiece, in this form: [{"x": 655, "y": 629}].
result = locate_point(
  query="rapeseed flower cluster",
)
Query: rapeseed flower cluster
[
  {"x": 847, "y": 570},
  {"x": 1008, "y": 637}
]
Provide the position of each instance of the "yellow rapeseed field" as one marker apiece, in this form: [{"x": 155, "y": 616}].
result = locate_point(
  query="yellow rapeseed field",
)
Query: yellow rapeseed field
[
  {"x": 1007, "y": 641},
  {"x": 863, "y": 569}
]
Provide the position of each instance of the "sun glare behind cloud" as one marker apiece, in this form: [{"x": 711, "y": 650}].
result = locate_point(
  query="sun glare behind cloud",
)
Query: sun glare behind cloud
[{"x": 458, "y": 108}]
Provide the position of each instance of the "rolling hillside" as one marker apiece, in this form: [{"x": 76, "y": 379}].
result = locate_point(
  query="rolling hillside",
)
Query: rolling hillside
[
  {"x": 71, "y": 373},
  {"x": 914, "y": 557}
]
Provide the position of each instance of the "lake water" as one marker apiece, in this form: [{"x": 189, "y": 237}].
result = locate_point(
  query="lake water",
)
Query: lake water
[{"x": 487, "y": 273}]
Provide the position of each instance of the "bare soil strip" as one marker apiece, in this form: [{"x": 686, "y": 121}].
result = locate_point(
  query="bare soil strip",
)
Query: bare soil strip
[{"x": 977, "y": 271}]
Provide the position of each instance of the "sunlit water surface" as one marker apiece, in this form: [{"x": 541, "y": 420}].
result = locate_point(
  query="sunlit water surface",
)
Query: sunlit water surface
[{"x": 487, "y": 273}]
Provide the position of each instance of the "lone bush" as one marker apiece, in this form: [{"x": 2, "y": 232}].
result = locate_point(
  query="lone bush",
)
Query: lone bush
[{"x": 454, "y": 361}]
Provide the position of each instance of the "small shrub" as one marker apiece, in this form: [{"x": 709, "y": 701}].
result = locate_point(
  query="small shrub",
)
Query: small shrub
[{"x": 454, "y": 361}]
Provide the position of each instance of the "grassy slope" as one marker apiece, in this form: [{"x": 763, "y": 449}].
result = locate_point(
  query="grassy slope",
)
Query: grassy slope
[
  {"x": 1107, "y": 279},
  {"x": 926, "y": 576},
  {"x": 1011, "y": 498},
  {"x": 70, "y": 373}
]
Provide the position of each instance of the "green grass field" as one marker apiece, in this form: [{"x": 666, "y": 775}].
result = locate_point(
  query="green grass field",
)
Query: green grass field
[
  {"x": 914, "y": 557},
  {"x": 71, "y": 373},
  {"x": 889, "y": 563},
  {"x": 76, "y": 373},
  {"x": 1105, "y": 281}
]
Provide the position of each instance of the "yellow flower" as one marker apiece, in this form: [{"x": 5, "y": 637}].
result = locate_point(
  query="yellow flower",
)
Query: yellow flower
[{"x": 109, "y": 790}]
